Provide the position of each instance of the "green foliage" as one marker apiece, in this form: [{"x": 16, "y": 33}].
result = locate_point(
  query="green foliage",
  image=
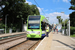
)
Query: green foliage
[
  {"x": 73, "y": 4},
  {"x": 18, "y": 12},
  {"x": 72, "y": 15},
  {"x": 59, "y": 19},
  {"x": 73, "y": 35},
  {"x": 34, "y": 10},
  {"x": 65, "y": 22},
  {"x": 2, "y": 26},
  {"x": 72, "y": 19},
  {"x": 7, "y": 31},
  {"x": 73, "y": 8},
  {"x": 63, "y": 27},
  {"x": 72, "y": 30}
]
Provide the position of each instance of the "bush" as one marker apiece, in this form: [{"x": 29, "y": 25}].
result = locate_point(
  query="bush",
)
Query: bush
[
  {"x": 65, "y": 27},
  {"x": 7, "y": 30},
  {"x": 72, "y": 30},
  {"x": 62, "y": 27}
]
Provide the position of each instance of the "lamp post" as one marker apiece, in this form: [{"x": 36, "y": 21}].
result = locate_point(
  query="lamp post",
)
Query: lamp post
[
  {"x": 22, "y": 24},
  {"x": 5, "y": 22},
  {"x": 69, "y": 27}
]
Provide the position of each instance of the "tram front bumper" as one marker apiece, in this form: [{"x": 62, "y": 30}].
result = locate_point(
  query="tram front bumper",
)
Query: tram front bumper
[{"x": 33, "y": 36}]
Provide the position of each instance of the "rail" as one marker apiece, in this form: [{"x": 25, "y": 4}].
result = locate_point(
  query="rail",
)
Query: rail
[
  {"x": 6, "y": 36},
  {"x": 26, "y": 45}
]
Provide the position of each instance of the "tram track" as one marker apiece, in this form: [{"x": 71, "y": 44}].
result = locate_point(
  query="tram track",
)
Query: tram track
[
  {"x": 16, "y": 43},
  {"x": 26, "y": 45},
  {"x": 11, "y": 43},
  {"x": 11, "y": 39},
  {"x": 11, "y": 36}
]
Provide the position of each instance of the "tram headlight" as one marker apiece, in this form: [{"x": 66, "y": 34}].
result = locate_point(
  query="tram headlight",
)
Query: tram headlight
[
  {"x": 28, "y": 33},
  {"x": 38, "y": 33}
]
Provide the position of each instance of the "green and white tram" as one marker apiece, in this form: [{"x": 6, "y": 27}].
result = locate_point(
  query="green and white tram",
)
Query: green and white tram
[{"x": 36, "y": 26}]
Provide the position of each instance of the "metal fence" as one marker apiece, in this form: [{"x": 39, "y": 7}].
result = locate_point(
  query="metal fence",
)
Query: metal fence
[{"x": 1, "y": 31}]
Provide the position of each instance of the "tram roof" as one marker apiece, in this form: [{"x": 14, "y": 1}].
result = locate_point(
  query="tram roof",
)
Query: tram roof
[{"x": 44, "y": 19}]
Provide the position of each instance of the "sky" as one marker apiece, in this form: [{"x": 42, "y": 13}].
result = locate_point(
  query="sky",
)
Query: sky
[{"x": 53, "y": 8}]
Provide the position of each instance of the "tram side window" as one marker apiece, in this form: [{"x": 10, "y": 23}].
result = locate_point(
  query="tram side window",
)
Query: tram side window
[{"x": 42, "y": 25}]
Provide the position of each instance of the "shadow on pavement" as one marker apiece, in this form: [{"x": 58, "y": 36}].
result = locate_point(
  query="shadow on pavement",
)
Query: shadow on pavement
[{"x": 65, "y": 44}]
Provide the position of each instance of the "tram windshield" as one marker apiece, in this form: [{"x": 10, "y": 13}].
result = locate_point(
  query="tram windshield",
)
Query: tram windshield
[{"x": 34, "y": 22}]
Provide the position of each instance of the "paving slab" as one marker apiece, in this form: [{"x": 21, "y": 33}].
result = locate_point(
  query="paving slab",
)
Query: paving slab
[
  {"x": 56, "y": 42},
  {"x": 61, "y": 42},
  {"x": 45, "y": 44}
]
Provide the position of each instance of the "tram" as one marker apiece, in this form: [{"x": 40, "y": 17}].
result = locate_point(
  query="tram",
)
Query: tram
[{"x": 36, "y": 25}]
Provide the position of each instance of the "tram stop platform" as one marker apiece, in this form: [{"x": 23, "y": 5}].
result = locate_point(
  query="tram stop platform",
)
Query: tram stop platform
[{"x": 56, "y": 42}]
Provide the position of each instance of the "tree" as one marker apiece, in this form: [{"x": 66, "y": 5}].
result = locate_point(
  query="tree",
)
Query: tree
[
  {"x": 73, "y": 4},
  {"x": 65, "y": 22},
  {"x": 59, "y": 19},
  {"x": 17, "y": 11},
  {"x": 34, "y": 10},
  {"x": 14, "y": 9},
  {"x": 72, "y": 15},
  {"x": 72, "y": 19}
]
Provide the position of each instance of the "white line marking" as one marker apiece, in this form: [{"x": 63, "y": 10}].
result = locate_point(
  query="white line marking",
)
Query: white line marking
[{"x": 40, "y": 43}]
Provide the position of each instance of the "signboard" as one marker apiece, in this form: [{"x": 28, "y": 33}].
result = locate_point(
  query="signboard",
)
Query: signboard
[
  {"x": 34, "y": 17},
  {"x": 34, "y": 21}
]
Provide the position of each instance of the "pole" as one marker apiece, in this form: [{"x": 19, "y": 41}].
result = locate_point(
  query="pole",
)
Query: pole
[
  {"x": 22, "y": 25},
  {"x": 5, "y": 23},
  {"x": 64, "y": 28},
  {"x": 69, "y": 27}
]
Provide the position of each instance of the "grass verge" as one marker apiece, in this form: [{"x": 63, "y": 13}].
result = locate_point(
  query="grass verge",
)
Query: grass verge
[{"x": 73, "y": 35}]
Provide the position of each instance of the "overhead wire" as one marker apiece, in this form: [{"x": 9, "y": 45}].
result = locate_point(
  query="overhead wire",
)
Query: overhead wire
[{"x": 39, "y": 6}]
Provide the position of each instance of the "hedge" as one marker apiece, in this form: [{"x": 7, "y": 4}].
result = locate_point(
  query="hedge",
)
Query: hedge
[{"x": 72, "y": 30}]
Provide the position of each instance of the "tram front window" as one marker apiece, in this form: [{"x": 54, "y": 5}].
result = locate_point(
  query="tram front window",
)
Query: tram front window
[
  {"x": 33, "y": 26},
  {"x": 34, "y": 22}
]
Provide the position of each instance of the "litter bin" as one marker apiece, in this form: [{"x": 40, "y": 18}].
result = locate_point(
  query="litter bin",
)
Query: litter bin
[{"x": 10, "y": 30}]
